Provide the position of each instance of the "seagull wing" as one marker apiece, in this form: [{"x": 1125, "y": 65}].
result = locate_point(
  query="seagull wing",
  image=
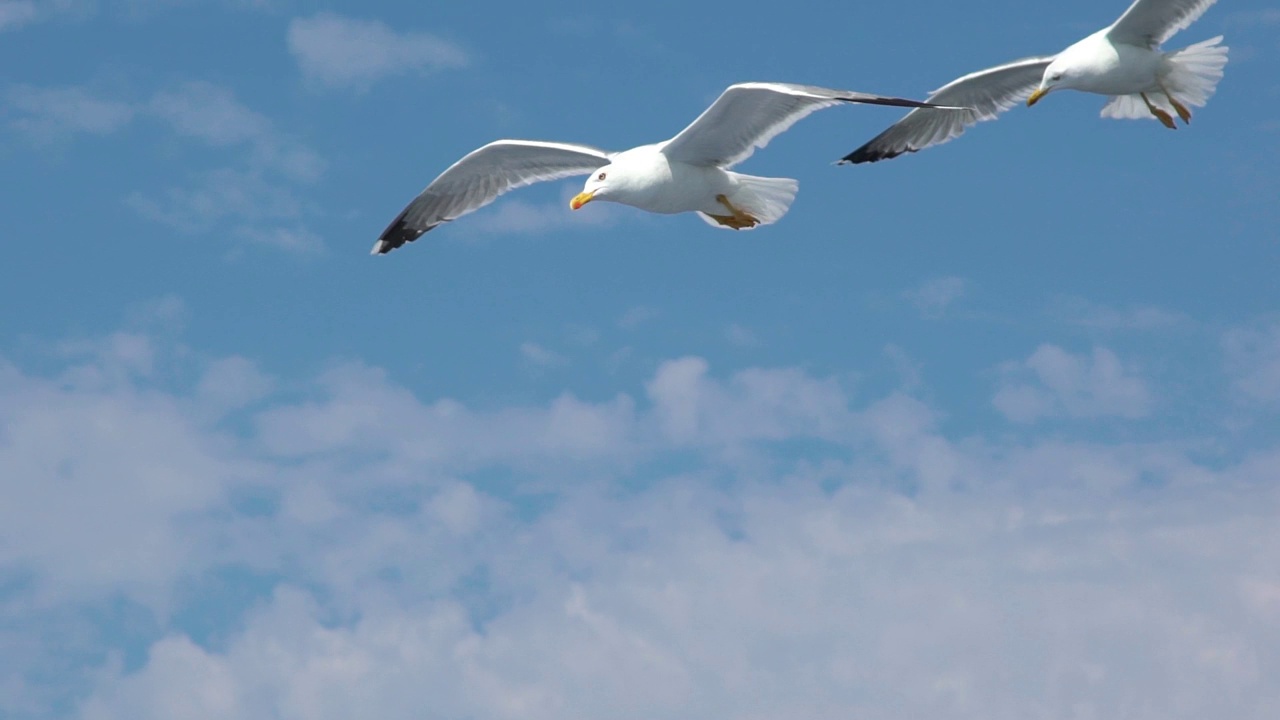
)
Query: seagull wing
[
  {"x": 748, "y": 115},
  {"x": 1151, "y": 22},
  {"x": 480, "y": 177},
  {"x": 985, "y": 94}
]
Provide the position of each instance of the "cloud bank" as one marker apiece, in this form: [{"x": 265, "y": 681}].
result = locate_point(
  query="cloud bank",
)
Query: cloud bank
[{"x": 754, "y": 543}]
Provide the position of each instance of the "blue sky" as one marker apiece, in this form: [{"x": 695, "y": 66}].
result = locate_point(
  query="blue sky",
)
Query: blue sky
[{"x": 985, "y": 431}]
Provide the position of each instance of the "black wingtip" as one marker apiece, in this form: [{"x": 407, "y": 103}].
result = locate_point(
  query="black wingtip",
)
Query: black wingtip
[
  {"x": 868, "y": 154},
  {"x": 397, "y": 233},
  {"x": 896, "y": 102}
]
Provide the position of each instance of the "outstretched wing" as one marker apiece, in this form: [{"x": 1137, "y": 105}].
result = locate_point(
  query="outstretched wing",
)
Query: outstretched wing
[
  {"x": 747, "y": 116},
  {"x": 985, "y": 94},
  {"x": 480, "y": 177},
  {"x": 1151, "y": 22}
]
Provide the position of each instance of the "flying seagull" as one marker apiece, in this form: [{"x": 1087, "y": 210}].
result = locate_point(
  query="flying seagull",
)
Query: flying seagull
[
  {"x": 688, "y": 173},
  {"x": 1123, "y": 61}
]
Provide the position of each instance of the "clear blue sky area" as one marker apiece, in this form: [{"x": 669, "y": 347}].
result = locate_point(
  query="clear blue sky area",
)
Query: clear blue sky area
[{"x": 987, "y": 431}]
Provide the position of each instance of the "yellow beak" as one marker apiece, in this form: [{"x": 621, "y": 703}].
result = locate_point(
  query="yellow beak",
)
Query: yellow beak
[
  {"x": 1035, "y": 96},
  {"x": 581, "y": 199}
]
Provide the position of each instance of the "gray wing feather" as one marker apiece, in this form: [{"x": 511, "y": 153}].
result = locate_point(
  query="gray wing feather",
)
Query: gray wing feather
[
  {"x": 1151, "y": 22},
  {"x": 985, "y": 94},
  {"x": 480, "y": 177},
  {"x": 747, "y": 116}
]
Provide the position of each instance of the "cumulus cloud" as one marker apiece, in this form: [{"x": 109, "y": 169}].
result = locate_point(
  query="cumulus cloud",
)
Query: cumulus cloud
[
  {"x": 341, "y": 52},
  {"x": 618, "y": 564},
  {"x": 691, "y": 407},
  {"x": 1076, "y": 386}
]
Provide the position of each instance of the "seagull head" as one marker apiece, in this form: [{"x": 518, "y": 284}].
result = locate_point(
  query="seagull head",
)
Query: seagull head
[
  {"x": 1058, "y": 75},
  {"x": 597, "y": 187}
]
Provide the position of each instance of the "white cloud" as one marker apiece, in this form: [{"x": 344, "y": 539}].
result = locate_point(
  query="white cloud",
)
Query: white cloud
[
  {"x": 343, "y": 52},
  {"x": 933, "y": 297},
  {"x": 782, "y": 600},
  {"x": 863, "y": 563},
  {"x": 232, "y": 383},
  {"x": 122, "y": 470},
  {"x": 1253, "y": 361},
  {"x": 692, "y": 408},
  {"x": 1076, "y": 386}
]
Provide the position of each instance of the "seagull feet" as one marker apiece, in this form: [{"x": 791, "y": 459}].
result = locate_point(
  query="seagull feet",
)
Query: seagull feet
[
  {"x": 1183, "y": 112},
  {"x": 1165, "y": 118},
  {"x": 739, "y": 220}
]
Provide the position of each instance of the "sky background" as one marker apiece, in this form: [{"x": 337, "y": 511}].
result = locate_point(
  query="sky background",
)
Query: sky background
[{"x": 988, "y": 431}]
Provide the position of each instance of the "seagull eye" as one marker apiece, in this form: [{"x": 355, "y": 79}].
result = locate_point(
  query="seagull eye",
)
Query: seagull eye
[
  {"x": 600, "y": 176},
  {"x": 1056, "y": 77}
]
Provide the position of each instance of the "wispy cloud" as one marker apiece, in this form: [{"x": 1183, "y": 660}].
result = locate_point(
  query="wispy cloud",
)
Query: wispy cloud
[
  {"x": 210, "y": 113},
  {"x": 514, "y": 216},
  {"x": 1252, "y": 357},
  {"x": 637, "y": 315},
  {"x": 45, "y": 115},
  {"x": 933, "y": 297},
  {"x": 258, "y": 197},
  {"x": 1076, "y": 386},
  {"x": 540, "y": 356},
  {"x": 1252, "y": 19},
  {"x": 341, "y": 52},
  {"x": 16, "y": 13},
  {"x": 741, "y": 335},
  {"x": 1084, "y": 313},
  {"x": 246, "y": 196}
]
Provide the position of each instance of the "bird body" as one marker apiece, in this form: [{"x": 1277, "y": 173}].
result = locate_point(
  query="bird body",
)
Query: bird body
[
  {"x": 1122, "y": 61},
  {"x": 688, "y": 173}
]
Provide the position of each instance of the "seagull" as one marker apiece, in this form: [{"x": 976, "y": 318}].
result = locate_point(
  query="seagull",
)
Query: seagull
[
  {"x": 1123, "y": 61},
  {"x": 688, "y": 173}
]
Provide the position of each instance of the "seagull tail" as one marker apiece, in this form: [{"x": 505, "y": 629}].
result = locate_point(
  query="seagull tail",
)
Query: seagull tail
[
  {"x": 1191, "y": 76},
  {"x": 1195, "y": 71},
  {"x": 766, "y": 199}
]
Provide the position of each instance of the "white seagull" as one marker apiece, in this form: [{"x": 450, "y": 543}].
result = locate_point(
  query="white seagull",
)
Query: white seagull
[
  {"x": 688, "y": 173},
  {"x": 1123, "y": 61}
]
